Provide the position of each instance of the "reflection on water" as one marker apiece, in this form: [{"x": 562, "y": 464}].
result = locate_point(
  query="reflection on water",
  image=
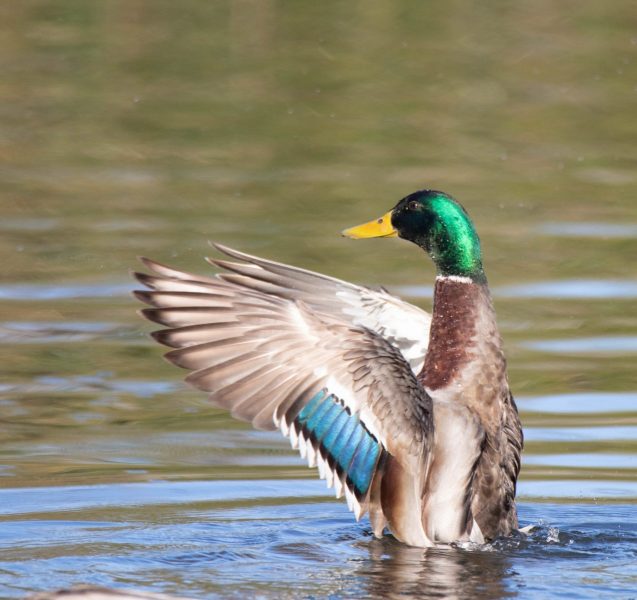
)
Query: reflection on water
[
  {"x": 396, "y": 571},
  {"x": 142, "y": 128}
]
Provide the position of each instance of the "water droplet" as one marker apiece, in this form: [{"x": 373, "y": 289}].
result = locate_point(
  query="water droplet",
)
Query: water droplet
[{"x": 553, "y": 536}]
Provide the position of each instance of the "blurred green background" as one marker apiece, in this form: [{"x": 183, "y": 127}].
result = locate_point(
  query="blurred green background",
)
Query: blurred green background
[{"x": 138, "y": 127}]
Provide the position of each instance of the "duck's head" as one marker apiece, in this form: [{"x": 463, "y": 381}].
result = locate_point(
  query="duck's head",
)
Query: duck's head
[{"x": 437, "y": 223}]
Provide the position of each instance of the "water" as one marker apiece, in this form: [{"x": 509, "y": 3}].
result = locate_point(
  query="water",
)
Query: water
[
  {"x": 238, "y": 539},
  {"x": 143, "y": 128}
]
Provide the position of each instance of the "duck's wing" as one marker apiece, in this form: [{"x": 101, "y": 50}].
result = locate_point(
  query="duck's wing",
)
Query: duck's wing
[
  {"x": 404, "y": 325},
  {"x": 345, "y": 396}
]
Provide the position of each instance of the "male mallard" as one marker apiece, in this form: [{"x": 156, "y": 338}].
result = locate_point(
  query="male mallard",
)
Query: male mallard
[{"x": 410, "y": 416}]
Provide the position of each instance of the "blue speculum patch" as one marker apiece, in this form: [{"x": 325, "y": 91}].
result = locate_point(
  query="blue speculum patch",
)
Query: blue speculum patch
[{"x": 349, "y": 447}]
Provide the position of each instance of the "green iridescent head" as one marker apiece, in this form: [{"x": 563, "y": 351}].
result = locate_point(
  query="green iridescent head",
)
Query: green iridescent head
[{"x": 437, "y": 223}]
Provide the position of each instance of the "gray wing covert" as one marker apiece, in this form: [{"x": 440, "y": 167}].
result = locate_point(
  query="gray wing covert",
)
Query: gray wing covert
[{"x": 402, "y": 324}]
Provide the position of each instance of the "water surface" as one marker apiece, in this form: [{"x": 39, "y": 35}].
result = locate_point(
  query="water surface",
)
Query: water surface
[{"x": 148, "y": 128}]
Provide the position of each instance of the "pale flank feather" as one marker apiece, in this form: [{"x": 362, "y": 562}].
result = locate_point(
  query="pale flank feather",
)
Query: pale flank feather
[{"x": 457, "y": 446}]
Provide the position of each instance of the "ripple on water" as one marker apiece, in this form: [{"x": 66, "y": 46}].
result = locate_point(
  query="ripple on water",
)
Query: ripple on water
[
  {"x": 580, "y": 403},
  {"x": 44, "y": 291},
  {"x": 86, "y": 384},
  {"x": 42, "y": 332},
  {"x": 28, "y": 224},
  {"x": 571, "y": 289},
  {"x": 594, "y": 229},
  {"x": 578, "y": 488},
  {"x": 73, "y": 498},
  {"x": 588, "y": 345},
  {"x": 52, "y": 499},
  {"x": 270, "y": 542},
  {"x": 583, "y": 460},
  {"x": 584, "y": 289},
  {"x": 218, "y": 551},
  {"x": 580, "y": 434}
]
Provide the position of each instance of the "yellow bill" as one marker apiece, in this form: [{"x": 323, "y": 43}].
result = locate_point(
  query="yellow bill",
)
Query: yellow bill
[{"x": 377, "y": 228}]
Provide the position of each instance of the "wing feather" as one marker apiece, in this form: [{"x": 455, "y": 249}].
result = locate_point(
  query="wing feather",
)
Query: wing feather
[
  {"x": 404, "y": 325},
  {"x": 256, "y": 340}
]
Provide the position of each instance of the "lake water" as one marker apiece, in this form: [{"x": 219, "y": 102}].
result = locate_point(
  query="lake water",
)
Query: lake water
[{"x": 148, "y": 128}]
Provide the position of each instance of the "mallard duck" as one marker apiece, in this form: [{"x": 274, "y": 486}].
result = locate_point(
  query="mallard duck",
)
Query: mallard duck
[{"x": 408, "y": 415}]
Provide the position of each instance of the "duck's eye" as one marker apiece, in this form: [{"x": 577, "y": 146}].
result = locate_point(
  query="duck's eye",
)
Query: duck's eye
[{"x": 413, "y": 205}]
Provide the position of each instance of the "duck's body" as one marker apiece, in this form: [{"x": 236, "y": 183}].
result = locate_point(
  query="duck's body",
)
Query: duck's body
[
  {"x": 409, "y": 416},
  {"x": 465, "y": 366}
]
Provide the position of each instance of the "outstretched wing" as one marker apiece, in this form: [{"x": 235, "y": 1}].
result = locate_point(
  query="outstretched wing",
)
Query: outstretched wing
[
  {"x": 402, "y": 324},
  {"x": 345, "y": 397}
]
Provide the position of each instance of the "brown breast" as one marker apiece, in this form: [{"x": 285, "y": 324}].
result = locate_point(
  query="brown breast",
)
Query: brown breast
[{"x": 453, "y": 330}]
